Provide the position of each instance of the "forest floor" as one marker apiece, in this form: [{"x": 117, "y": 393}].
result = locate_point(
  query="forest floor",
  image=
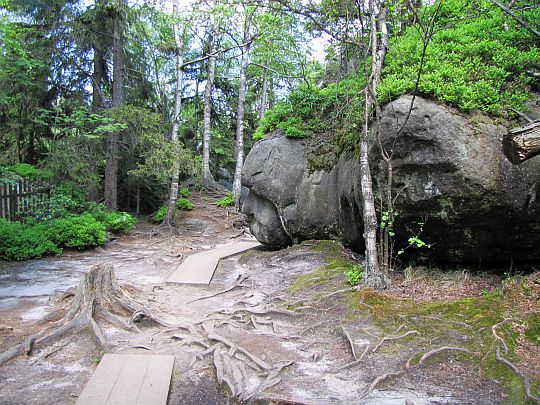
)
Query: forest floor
[{"x": 283, "y": 326}]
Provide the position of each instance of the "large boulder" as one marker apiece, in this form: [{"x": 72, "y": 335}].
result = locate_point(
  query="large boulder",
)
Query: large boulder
[
  {"x": 286, "y": 204},
  {"x": 448, "y": 171}
]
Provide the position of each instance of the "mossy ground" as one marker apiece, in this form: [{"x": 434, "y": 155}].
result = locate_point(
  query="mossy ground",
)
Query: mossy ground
[
  {"x": 337, "y": 265},
  {"x": 447, "y": 309}
]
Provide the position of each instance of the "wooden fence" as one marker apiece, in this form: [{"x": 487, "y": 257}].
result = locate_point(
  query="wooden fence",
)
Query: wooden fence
[{"x": 19, "y": 198}]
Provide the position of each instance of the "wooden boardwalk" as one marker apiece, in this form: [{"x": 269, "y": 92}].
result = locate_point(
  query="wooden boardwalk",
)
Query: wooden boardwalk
[
  {"x": 199, "y": 268},
  {"x": 129, "y": 379}
]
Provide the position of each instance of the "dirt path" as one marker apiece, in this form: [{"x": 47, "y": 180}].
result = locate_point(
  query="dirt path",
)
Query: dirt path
[{"x": 274, "y": 333}]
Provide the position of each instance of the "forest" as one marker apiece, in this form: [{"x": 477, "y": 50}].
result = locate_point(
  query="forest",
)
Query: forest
[
  {"x": 106, "y": 106},
  {"x": 363, "y": 144}
]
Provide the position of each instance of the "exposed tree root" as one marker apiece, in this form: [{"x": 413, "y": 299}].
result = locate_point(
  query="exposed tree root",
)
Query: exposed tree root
[
  {"x": 380, "y": 379},
  {"x": 440, "y": 350},
  {"x": 524, "y": 378},
  {"x": 238, "y": 283},
  {"x": 389, "y": 338},
  {"x": 351, "y": 343},
  {"x": 97, "y": 294}
]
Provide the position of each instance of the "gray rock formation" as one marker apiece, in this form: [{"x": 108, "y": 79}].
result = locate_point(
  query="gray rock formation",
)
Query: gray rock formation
[{"x": 449, "y": 171}]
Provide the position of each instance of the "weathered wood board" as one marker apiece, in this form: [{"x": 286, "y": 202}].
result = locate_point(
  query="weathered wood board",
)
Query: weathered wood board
[
  {"x": 129, "y": 379},
  {"x": 200, "y": 267}
]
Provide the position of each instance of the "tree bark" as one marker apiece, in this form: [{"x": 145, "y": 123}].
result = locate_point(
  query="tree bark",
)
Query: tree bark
[
  {"x": 97, "y": 79},
  {"x": 206, "y": 174},
  {"x": 523, "y": 143},
  {"x": 111, "y": 168},
  {"x": 242, "y": 84},
  {"x": 375, "y": 275},
  {"x": 173, "y": 192},
  {"x": 264, "y": 91}
]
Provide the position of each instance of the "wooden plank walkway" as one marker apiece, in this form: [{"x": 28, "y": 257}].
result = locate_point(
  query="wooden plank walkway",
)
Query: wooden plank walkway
[
  {"x": 129, "y": 379},
  {"x": 200, "y": 267}
]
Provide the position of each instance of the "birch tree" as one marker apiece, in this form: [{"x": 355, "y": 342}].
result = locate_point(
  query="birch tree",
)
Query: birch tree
[
  {"x": 179, "y": 50},
  {"x": 376, "y": 276},
  {"x": 242, "y": 86},
  {"x": 213, "y": 33}
]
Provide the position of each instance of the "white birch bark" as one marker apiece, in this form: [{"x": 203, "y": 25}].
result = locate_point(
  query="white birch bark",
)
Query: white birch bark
[
  {"x": 173, "y": 192},
  {"x": 242, "y": 84},
  {"x": 206, "y": 174},
  {"x": 375, "y": 275}
]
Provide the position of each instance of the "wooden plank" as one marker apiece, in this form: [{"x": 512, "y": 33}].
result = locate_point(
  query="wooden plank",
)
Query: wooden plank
[
  {"x": 129, "y": 379},
  {"x": 98, "y": 389},
  {"x": 129, "y": 382},
  {"x": 155, "y": 386},
  {"x": 200, "y": 267}
]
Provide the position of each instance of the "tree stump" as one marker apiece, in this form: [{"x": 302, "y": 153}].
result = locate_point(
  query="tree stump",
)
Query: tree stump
[
  {"x": 523, "y": 143},
  {"x": 98, "y": 296}
]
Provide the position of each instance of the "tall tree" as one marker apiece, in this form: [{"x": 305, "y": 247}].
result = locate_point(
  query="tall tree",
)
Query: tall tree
[
  {"x": 179, "y": 49},
  {"x": 375, "y": 275},
  {"x": 242, "y": 86},
  {"x": 111, "y": 168},
  {"x": 212, "y": 47}
]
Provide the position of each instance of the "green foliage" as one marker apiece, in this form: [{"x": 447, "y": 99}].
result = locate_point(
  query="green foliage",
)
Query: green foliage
[
  {"x": 310, "y": 109},
  {"x": 24, "y": 242},
  {"x": 472, "y": 62},
  {"x": 414, "y": 241},
  {"x": 355, "y": 275},
  {"x": 30, "y": 172},
  {"x": 184, "y": 192},
  {"x": 159, "y": 215},
  {"x": 79, "y": 232},
  {"x": 226, "y": 201},
  {"x": 184, "y": 204},
  {"x": 114, "y": 221}
]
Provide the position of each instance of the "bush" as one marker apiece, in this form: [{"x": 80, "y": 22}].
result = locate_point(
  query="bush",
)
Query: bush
[
  {"x": 79, "y": 232},
  {"x": 184, "y": 204},
  {"x": 117, "y": 222},
  {"x": 184, "y": 192},
  {"x": 227, "y": 200},
  {"x": 355, "y": 275},
  {"x": 24, "y": 242},
  {"x": 473, "y": 63},
  {"x": 159, "y": 215}
]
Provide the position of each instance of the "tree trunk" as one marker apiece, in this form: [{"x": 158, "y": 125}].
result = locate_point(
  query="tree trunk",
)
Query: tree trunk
[
  {"x": 242, "y": 84},
  {"x": 375, "y": 276},
  {"x": 264, "y": 92},
  {"x": 97, "y": 293},
  {"x": 206, "y": 174},
  {"x": 523, "y": 143},
  {"x": 97, "y": 80},
  {"x": 111, "y": 168},
  {"x": 173, "y": 192}
]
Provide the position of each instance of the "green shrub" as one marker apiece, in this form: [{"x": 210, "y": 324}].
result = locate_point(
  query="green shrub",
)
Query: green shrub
[
  {"x": 184, "y": 204},
  {"x": 24, "y": 242},
  {"x": 354, "y": 275},
  {"x": 471, "y": 63},
  {"x": 226, "y": 201},
  {"x": 79, "y": 232},
  {"x": 30, "y": 172},
  {"x": 159, "y": 215},
  {"x": 184, "y": 192},
  {"x": 114, "y": 221}
]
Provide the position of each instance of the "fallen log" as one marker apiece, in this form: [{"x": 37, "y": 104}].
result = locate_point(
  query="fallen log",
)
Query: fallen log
[{"x": 523, "y": 143}]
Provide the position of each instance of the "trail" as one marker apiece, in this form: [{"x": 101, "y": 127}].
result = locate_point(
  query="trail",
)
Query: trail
[{"x": 251, "y": 335}]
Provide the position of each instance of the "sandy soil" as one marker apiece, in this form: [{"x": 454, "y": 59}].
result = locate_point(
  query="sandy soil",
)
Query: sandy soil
[{"x": 297, "y": 341}]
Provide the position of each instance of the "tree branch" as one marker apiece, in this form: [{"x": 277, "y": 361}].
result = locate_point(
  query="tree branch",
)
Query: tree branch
[{"x": 515, "y": 17}]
